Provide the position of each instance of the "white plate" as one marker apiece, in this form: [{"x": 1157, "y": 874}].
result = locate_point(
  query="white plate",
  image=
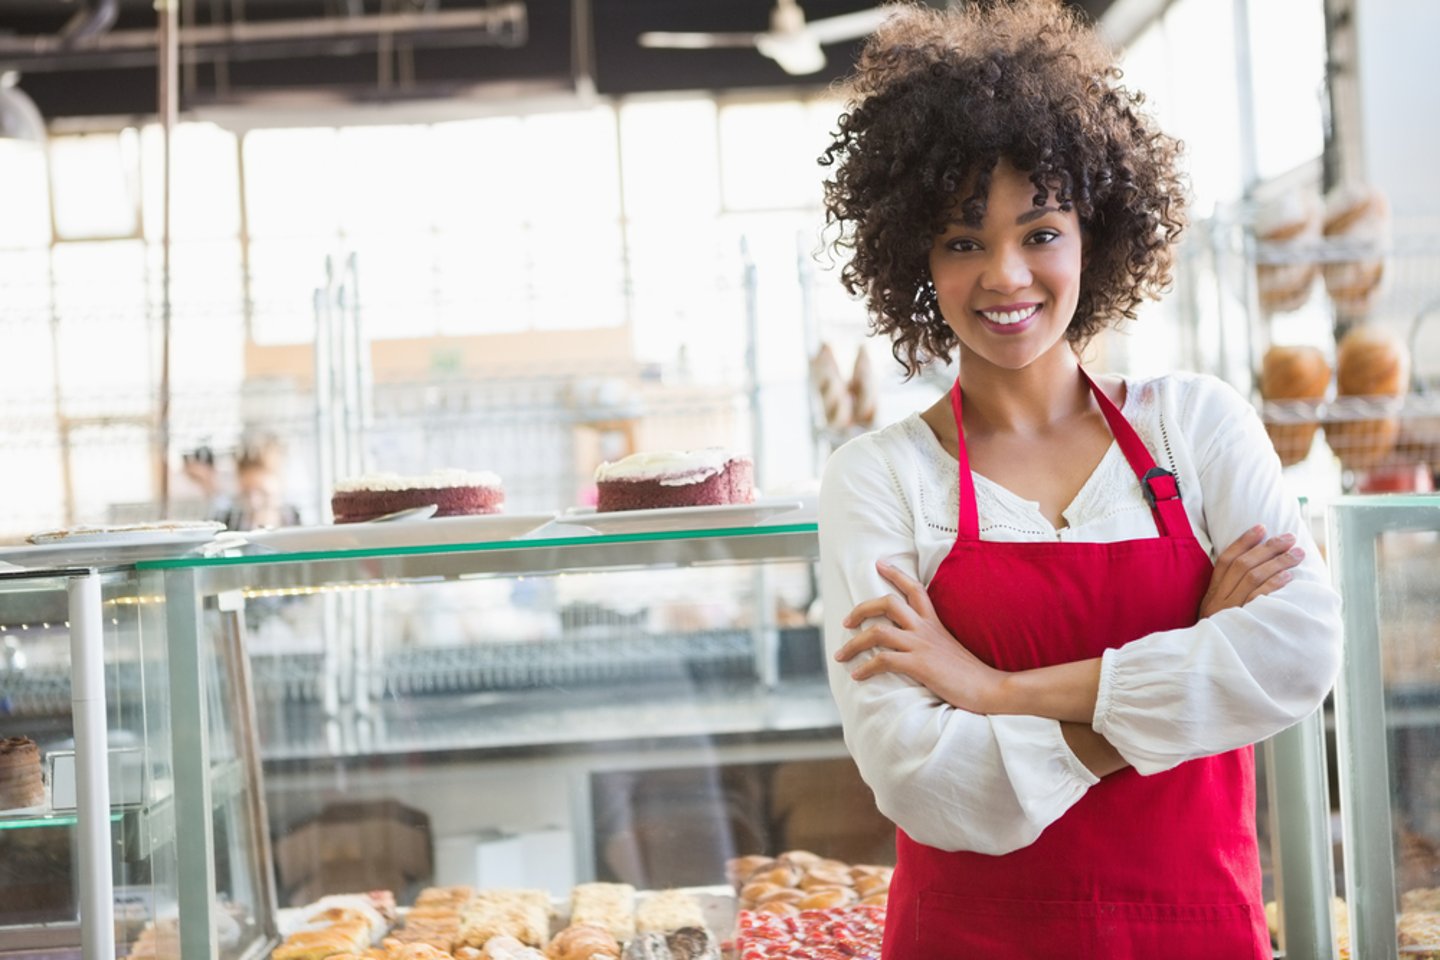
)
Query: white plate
[
  {"x": 109, "y": 545},
  {"x": 678, "y": 518},
  {"x": 130, "y": 534},
  {"x": 435, "y": 531}
]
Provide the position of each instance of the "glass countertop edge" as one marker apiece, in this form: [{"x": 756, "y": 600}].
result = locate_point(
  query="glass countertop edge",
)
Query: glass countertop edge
[
  {"x": 1370, "y": 501},
  {"x": 185, "y": 563}
]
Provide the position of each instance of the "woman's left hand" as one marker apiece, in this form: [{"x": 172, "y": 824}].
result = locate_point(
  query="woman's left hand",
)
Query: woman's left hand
[{"x": 911, "y": 640}]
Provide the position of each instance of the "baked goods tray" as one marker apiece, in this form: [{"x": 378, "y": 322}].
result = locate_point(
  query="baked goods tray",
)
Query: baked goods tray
[{"x": 717, "y": 905}]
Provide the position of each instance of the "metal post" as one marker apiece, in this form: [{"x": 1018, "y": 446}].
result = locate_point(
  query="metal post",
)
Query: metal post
[
  {"x": 92, "y": 778},
  {"x": 190, "y": 741},
  {"x": 1360, "y": 731},
  {"x": 169, "y": 108},
  {"x": 1300, "y": 812}
]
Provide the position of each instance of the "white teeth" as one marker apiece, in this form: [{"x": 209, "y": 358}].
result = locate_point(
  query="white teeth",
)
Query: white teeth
[{"x": 1007, "y": 318}]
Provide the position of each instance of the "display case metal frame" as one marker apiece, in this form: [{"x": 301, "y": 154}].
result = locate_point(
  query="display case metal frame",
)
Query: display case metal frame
[
  {"x": 92, "y": 781},
  {"x": 1354, "y": 525}
]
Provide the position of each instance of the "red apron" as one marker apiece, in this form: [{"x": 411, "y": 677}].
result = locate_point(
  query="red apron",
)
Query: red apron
[{"x": 1141, "y": 867}]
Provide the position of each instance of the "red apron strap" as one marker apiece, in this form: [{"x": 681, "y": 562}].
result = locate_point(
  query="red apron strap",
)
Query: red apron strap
[
  {"x": 969, "y": 513},
  {"x": 1160, "y": 487}
]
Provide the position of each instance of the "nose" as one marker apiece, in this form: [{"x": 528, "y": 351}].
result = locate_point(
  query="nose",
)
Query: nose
[{"x": 1006, "y": 270}]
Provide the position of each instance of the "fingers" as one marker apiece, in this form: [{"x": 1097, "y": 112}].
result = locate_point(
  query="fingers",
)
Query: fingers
[
  {"x": 912, "y": 590},
  {"x": 1273, "y": 574},
  {"x": 891, "y": 607},
  {"x": 882, "y": 635},
  {"x": 885, "y": 661},
  {"x": 1235, "y": 577}
]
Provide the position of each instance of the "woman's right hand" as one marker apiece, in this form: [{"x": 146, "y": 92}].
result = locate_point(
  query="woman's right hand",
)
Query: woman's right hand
[{"x": 1250, "y": 567}]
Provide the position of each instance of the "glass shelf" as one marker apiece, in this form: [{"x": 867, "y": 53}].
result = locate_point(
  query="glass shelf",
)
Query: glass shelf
[{"x": 281, "y": 574}]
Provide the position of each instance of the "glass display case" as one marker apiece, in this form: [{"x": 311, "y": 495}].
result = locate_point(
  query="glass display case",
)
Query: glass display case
[
  {"x": 630, "y": 704},
  {"x": 1385, "y": 556},
  {"x": 618, "y": 704},
  {"x": 148, "y": 809}
]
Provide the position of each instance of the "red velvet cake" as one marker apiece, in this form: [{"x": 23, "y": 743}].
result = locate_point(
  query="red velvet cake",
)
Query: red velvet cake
[
  {"x": 20, "y": 782},
  {"x": 454, "y": 492},
  {"x": 695, "y": 478}
]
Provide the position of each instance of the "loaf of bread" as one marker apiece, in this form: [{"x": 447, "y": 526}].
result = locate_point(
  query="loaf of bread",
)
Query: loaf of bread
[
  {"x": 1289, "y": 228},
  {"x": 1293, "y": 373},
  {"x": 1370, "y": 362},
  {"x": 1357, "y": 216},
  {"x": 834, "y": 390},
  {"x": 864, "y": 391}
]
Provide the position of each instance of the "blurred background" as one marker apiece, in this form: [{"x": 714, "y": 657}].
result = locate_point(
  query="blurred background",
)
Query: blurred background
[{"x": 527, "y": 236}]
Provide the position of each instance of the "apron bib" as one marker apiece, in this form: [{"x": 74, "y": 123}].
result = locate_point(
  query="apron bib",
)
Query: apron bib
[{"x": 1141, "y": 867}]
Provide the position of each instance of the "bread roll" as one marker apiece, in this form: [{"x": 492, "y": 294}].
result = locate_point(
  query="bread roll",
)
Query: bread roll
[
  {"x": 784, "y": 875},
  {"x": 865, "y": 886},
  {"x": 825, "y": 877},
  {"x": 877, "y": 899},
  {"x": 1287, "y": 227},
  {"x": 1293, "y": 373},
  {"x": 757, "y": 891},
  {"x": 834, "y": 390},
  {"x": 823, "y": 898},
  {"x": 802, "y": 858},
  {"x": 1359, "y": 217},
  {"x": 739, "y": 869},
  {"x": 1370, "y": 362},
  {"x": 583, "y": 941},
  {"x": 784, "y": 895},
  {"x": 779, "y": 908},
  {"x": 864, "y": 391}
]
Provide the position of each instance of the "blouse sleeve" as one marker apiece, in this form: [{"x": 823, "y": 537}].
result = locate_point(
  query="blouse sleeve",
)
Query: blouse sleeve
[
  {"x": 950, "y": 779},
  {"x": 1245, "y": 673}
]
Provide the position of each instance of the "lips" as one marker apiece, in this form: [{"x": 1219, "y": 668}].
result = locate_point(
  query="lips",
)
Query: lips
[{"x": 1009, "y": 318}]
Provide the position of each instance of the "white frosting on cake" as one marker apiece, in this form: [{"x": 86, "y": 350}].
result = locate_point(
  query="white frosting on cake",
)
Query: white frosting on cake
[
  {"x": 673, "y": 469},
  {"x": 439, "y": 480}
]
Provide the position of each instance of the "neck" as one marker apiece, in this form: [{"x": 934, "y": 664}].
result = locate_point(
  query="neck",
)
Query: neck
[{"x": 1034, "y": 399}]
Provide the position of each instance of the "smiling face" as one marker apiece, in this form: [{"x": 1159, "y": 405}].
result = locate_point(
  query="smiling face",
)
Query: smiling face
[{"x": 1008, "y": 285}]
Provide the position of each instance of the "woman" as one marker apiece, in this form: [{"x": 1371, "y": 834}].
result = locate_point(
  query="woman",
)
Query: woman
[{"x": 1048, "y": 682}]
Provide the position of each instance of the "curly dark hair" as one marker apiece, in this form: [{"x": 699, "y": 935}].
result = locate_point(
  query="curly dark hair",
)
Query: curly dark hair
[{"x": 937, "y": 99}]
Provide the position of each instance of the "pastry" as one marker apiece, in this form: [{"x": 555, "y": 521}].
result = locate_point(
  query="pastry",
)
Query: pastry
[
  {"x": 1358, "y": 217},
  {"x": 864, "y": 392},
  {"x": 739, "y": 869},
  {"x": 1370, "y": 362},
  {"x": 668, "y": 910},
  {"x": 647, "y": 946},
  {"x": 823, "y": 898},
  {"x": 522, "y": 914},
  {"x": 1294, "y": 374},
  {"x": 836, "y": 405},
  {"x": 1287, "y": 227},
  {"x": 452, "y": 492},
  {"x": 505, "y": 948},
  {"x": 692, "y": 943},
  {"x": 694, "y": 478},
  {"x": 21, "y": 782},
  {"x": 784, "y": 875},
  {"x": 825, "y": 876},
  {"x": 609, "y": 905},
  {"x": 583, "y": 941}
]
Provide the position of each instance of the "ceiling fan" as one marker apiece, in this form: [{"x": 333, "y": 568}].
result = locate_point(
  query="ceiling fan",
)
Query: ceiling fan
[{"x": 791, "y": 41}]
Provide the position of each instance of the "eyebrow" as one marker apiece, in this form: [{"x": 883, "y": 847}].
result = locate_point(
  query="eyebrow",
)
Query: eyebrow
[
  {"x": 1021, "y": 220},
  {"x": 1035, "y": 214}
]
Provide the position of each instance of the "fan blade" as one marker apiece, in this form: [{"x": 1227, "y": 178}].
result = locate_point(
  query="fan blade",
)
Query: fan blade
[
  {"x": 695, "y": 41},
  {"x": 847, "y": 26},
  {"x": 797, "y": 53}
]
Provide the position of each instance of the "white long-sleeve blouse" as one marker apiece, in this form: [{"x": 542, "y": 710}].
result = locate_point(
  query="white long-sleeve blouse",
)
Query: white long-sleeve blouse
[{"x": 962, "y": 781}]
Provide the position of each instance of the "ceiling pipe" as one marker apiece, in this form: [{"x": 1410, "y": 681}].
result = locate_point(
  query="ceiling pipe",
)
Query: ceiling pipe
[
  {"x": 504, "y": 23},
  {"x": 89, "y": 22}
]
